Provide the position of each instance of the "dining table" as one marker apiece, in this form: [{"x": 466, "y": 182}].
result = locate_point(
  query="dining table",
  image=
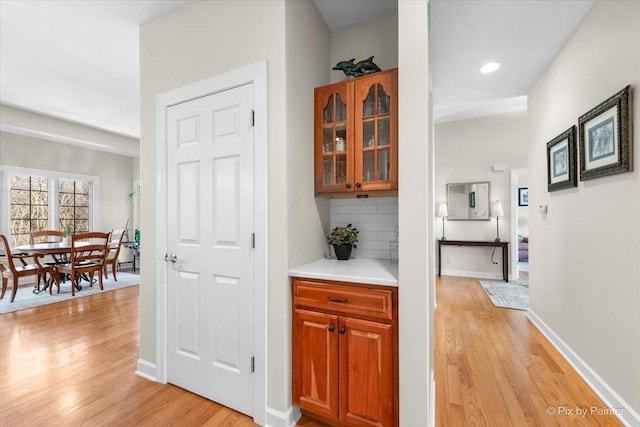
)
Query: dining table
[{"x": 59, "y": 251}]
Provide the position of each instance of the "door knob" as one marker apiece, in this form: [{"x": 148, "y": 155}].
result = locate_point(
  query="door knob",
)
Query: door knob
[
  {"x": 332, "y": 328},
  {"x": 358, "y": 185},
  {"x": 173, "y": 258},
  {"x": 347, "y": 185},
  {"x": 341, "y": 331}
]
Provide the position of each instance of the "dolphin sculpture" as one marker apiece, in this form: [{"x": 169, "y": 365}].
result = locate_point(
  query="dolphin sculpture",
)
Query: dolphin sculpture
[
  {"x": 367, "y": 66},
  {"x": 362, "y": 68},
  {"x": 346, "y": 66}
]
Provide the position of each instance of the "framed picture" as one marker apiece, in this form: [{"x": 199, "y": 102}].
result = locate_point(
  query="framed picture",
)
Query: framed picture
[
  {"x": 561, "y": 161},
  {"x": 605, "y": 137},
  {"x": 523, "y": 197}
]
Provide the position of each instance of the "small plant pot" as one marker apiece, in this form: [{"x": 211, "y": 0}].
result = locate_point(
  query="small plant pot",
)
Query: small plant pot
[
  {"x": 343, "y": 252},
  {"x": 65, "y": 241}
]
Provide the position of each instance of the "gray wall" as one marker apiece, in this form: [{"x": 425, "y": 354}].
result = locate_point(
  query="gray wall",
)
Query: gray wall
[
  {"x": 115, "y": 171},
  {"x": 584, "y": 269},
  {"x": 466, "y": 150}
]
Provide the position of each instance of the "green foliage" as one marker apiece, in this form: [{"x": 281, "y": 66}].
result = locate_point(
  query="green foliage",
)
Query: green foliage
[
  {"x": 343, "y": 236},
  {"x": 67, "y": 230}
]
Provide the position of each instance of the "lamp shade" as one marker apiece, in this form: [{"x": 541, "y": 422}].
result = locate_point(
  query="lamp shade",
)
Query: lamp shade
[
  {"x": 496, "y": 209},
  {"x": 442, "y": 210}
]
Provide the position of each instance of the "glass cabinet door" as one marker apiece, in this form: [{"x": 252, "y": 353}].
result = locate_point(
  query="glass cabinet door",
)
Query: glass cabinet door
[
  {"x": 333, "y": 171},
  {"x": 375, "y": 125},
  {"x": 334, "y": 141}
]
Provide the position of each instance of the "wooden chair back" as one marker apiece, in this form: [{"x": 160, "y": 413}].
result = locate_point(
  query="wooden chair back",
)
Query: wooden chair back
[
  {"x": 46, "y": 236},
  {"x": 7, "y": 258},
  {"x": 116, "y": 237},
  {"x": 10, "y": 270},
  {"x": 86, "y": 258},
  {"x": 94, "y": 254}
]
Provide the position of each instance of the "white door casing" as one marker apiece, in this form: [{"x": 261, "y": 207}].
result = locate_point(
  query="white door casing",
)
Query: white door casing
[{"x": 209, "y": 231}]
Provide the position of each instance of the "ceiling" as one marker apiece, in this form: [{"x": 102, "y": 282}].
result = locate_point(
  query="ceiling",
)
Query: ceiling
[{"x": 78, "y": 60}]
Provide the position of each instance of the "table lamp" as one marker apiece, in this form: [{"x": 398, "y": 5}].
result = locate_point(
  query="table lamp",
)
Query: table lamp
[
  {"x": 496, "y": 210},
  {"x": 443, "y": 212}
]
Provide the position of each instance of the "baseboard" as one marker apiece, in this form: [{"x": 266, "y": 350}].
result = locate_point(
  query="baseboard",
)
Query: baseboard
[
  {"x": 276, "y": 418},
  {"x": 610, "y": 398},
  {"x": 475, "y": 274},
  {"x": 146, "y": 370},
  {"x": 432, "y": 400}
]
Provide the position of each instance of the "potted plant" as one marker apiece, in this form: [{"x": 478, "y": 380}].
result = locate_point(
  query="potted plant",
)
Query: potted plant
[
  {"x": 67, "y": 234},
  {"x": 343, "y": 240}
]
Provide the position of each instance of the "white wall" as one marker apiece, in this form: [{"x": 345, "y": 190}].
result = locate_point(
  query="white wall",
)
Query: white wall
[
  {"x": 115, "y": 171},
  {"x": 584, "y": 269},
  {"x": 203, "y": 39},
  {"x": 38, "y": 125},
  {"x": 307, "y": 56},
  {"x": 466, "y": 150},
  {"x": 376, "y": 37},
  {"x": 415, "y": 214}
]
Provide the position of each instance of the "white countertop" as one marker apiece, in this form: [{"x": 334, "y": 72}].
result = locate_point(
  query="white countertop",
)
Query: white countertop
[{"x": 358, "y": 270}]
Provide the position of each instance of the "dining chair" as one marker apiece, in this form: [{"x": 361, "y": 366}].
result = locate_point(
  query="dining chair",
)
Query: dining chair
[
  {"x": 86, "y": 258},
  {"x": 46, "y": 236},
  {"x": 115, "y": 242},
  {"x": 10, "y": 269}
]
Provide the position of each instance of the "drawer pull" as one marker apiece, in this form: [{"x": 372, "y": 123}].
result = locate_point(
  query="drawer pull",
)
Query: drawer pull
[
  {"x": 341, "y": 331},
  {"x": 332, "y": 328},
  {"x": 343, "y": 300}
]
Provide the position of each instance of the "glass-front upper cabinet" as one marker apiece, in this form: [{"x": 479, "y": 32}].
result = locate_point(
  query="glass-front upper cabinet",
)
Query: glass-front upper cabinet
[
  {"x": 376, "y": 130},
  {"x": 334, "y": 137},
  {"x": 356, "y": 128}
]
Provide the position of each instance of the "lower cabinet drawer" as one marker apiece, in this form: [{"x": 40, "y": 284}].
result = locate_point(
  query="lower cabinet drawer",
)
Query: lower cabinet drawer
[{"x": 348, "y": 299}]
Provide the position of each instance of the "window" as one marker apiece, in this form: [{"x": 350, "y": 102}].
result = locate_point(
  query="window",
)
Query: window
[
  {"x": 40, "y": 200},
  {"x": 73, "y": 196},
  {"x": 29, "y": 211}
]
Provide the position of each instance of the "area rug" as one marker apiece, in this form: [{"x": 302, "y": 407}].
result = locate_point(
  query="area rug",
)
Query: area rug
[
  {"x": 25, "y": 298},
  {"x": 507, "y": 295}
]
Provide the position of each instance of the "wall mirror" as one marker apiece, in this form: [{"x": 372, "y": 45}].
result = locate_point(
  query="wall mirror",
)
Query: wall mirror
[{"x": 468, "y": 201}]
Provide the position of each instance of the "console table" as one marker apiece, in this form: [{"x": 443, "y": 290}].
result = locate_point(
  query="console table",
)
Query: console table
[{"x": 503, "y": 245}]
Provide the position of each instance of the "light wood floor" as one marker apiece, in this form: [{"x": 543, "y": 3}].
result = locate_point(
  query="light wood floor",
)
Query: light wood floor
[
  {"x": 73, "y": 363},
  {"x": 494, "y": 368}
]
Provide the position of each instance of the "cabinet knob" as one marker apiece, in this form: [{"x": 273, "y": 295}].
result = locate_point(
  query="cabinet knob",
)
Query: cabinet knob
[
  {"x": 332, "y": 328},
  {"x": 348, "y": 185},
  {"x": 341, "y": 331},
  {"x": 358, "y": 185}
]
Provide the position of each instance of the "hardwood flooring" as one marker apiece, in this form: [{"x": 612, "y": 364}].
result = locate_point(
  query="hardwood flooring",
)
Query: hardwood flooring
[
  {"x": 494, "y": 368},
  {"x": 73, "y": 363}
]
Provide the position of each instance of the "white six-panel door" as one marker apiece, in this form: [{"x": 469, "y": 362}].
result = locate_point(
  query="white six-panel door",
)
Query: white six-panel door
[{"x": 210, "y": 217}]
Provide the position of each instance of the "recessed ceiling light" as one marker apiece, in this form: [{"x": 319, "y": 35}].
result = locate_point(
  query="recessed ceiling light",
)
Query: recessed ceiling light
[{"x": 489, "y": 67}]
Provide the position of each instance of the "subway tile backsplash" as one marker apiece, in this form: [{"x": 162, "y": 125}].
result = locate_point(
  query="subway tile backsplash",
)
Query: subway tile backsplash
[{"x": 375, "y": 218}]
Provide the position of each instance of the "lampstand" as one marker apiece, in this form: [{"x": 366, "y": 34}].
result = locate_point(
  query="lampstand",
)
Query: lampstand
[
  {"x": 443, "y": 212},
  {"x": 496, "y": 210}
]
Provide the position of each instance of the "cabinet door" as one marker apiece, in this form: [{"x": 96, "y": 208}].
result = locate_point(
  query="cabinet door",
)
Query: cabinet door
[
  {"x": 376, "y": 132},
  {"x": 315, "y": 362},
  {"x": 366, "y": 369},
  {"x": 334, "y": 138}
]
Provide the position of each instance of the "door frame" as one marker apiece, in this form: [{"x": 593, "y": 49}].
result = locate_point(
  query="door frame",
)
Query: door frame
[
  {"x": 515, "y": 174},
  {"x": 255, "y": 74}
]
